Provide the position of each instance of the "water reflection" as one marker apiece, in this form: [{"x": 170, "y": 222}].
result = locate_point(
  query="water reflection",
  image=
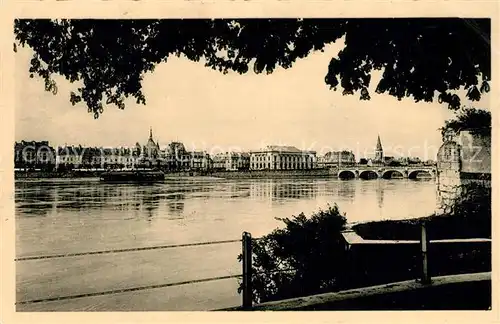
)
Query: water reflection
[
  {"x": 171, "y": 199},
  {"x": 280, "y": 189},
  {"x": 175, "y": 204},
  {"x": 379, "y": 190},
  {"x": 150, "y": 200},
  {"x": 346, "y": 189},
  {"x": 41, "y": 198}
]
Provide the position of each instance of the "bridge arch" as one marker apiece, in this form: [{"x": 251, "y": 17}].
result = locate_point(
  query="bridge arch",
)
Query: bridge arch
[
  {"x": 346, "y": 174},
  {"x": 413, "y": 174},
  {"x": 390, "y": 174},
  {"x": 368, "y": 175}
]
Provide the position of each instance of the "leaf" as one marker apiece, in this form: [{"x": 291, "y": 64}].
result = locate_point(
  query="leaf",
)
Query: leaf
[
  {"x": 485, "y": 87},
  {"x": 473, "y": 94},
  {"x": 419, "y": 56}
]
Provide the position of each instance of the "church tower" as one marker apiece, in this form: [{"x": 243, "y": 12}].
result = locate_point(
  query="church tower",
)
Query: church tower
[
  {"x": 379, "y": 152},
  {"x": 151, "y": 149}
]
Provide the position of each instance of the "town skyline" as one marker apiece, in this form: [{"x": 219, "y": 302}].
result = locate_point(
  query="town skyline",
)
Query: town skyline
[{"x": 202, "y": 115}]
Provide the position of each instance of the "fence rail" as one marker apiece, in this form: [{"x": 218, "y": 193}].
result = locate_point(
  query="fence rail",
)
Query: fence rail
[
  {"x": 158, "y": 247},
  {"x": 119, "y": 291}
]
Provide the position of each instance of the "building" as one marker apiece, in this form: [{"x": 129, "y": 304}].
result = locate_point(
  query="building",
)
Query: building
[
  {"x": 429, "y": 163},
  {"x": 276, "y": 157},
  {"x": 379, "y": 152},
  {"x": 149, "y": 153},
  {"x": 337, "y": 158},
  {"x": 464, "y": 157},
  {"x": 91, "y": 158},
  {"x": 69, "y": 157},
  {"x": 175, "y": 157},
  {"x": 78, "y": 157},
  {"x": 199, "y": 160},
  {"x": 116, "y": 158},
  {"x": 363, "y": 161},
  {"x": 389, "y": 159},
  {"x": 242, "y": 161},
  {"x": 34, "y": 155},
  {"x": 231, "y": 161},
  {"x": 127, "y": 157},
  {"x": 219, "y": 161}
]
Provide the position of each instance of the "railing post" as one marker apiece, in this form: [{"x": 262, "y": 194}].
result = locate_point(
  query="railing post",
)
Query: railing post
[
  {"x": 424, "y": 247},
  {"x": 247, "y": 269}
]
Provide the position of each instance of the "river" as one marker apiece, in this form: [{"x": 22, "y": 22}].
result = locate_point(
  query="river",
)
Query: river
[{"x": 61, "y": 216}]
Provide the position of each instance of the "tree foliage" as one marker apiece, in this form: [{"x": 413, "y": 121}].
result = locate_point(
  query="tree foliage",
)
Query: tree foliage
[
  {"x": 420, "y": 58},
  {"x": 301, "y": 259},
  {"x": 477, "y": 121}
]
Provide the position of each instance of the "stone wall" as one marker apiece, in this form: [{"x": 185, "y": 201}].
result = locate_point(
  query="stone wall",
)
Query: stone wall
[
  {"x": 476, "y": 152},
  {"x": 462, "y": 159}
]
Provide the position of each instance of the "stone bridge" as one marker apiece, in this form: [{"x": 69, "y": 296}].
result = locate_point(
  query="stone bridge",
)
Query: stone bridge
[{"x": 385, "y": 172}]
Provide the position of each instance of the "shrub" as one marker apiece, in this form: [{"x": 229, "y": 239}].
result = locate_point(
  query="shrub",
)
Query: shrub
[
  {"x": 303, "y": 258},
  {"x": 477, "y": 121}
]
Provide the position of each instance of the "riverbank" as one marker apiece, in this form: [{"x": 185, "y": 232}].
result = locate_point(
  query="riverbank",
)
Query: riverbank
[
  {"x": 56, "y": 174},
  {"x": 213, "y": 174}
]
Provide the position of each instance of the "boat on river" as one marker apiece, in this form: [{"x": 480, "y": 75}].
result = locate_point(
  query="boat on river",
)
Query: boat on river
[{"x": 134, "y": 175}]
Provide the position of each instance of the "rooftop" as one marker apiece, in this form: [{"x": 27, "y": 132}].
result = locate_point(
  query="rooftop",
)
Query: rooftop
[{"x": 280, "y": 148}]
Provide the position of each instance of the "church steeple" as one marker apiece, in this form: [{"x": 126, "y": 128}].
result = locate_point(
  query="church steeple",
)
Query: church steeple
[
  {"x": 379, "y": 152},
  {"x": 379, "y": 144},
  {"x": 151, "y": 133}
]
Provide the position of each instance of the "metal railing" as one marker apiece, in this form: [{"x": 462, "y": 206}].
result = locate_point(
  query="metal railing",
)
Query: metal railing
[{"x": 122, "y": 250}]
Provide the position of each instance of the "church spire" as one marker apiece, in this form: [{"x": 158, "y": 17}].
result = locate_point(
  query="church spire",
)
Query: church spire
[
  {"x": 379, "y": 144},
  {"x": 150, "y": 132},
  {"x": 379, "y": 152}
]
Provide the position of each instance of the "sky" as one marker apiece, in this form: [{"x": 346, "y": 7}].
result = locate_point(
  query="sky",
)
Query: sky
[{"x": 206, "y": 110}]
